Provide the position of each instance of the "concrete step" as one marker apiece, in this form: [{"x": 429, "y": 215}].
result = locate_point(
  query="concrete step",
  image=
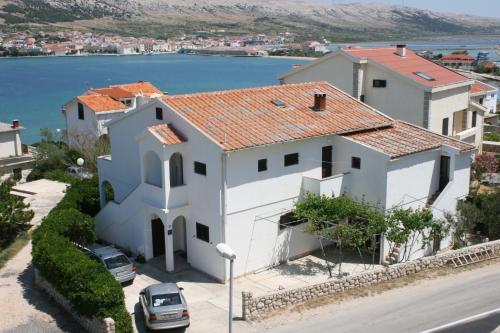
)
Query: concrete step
[{"x": 21, "y": 194}]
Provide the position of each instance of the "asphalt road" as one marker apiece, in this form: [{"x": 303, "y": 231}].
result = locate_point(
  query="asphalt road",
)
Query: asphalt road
[
  {"x": 423, "y": 306},
  {"x": 487, "y": 323}
]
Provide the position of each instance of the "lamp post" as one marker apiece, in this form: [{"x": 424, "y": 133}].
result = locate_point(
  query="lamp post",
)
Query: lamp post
[{"x": 227, "y": 253}]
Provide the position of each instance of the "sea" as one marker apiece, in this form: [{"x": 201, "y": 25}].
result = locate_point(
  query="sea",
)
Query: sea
[{"x": 33, "y": 90}]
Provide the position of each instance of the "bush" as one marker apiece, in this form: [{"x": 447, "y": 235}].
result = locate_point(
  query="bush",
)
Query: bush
[
  {"x": 87, "y": 284},
  {"x": 60, "y": 176}
]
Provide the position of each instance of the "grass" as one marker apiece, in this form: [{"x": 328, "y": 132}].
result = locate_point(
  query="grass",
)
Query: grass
[{"x": 17, "y": 245}]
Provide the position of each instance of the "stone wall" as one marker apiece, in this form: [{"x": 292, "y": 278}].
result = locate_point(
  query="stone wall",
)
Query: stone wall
[
  {"x": 92, "y": 325},
  {"x": 259, "y": 306}
]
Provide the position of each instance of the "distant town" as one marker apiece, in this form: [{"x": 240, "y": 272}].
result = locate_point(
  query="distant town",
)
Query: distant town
[{"x": 81, "y": 43}]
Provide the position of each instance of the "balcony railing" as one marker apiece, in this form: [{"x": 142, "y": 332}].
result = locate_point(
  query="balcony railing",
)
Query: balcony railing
[{"x": 324, "y": 186}]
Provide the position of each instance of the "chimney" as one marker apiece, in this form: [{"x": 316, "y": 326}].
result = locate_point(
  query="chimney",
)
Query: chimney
[
  {"x": 401, "y": 50},
  {"x": 15, "y": 123},
  {"x": 319, "y": 102}
]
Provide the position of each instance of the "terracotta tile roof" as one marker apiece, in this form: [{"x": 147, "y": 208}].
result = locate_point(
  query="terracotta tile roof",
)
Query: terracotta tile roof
[
  {"x": 403, "y": 139},
  {"x": 245, "y": 118},
  {"x": 167, "y": 134},
  {"x": 460, "y": 57},
  {"x": 101, "y": 103},
  {"x": 114, "y": 92},
  {"x": 409, "y": 65},
  {"x": 138, "y": 88},
  {"x": 481, "y": 88}
]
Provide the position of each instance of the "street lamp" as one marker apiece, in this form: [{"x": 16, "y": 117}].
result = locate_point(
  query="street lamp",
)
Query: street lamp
[
  {"x": 227, "y": 253},
  {"x": 80, "y": 161}
]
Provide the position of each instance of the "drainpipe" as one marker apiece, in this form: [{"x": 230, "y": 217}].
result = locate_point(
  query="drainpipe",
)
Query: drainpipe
[{"x": 223, "y": 205}]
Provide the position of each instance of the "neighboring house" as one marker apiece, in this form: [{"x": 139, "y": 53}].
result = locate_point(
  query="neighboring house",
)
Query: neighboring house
[
  {"x": 86, "y": 114},
  {"x": 463, "y": 61},
  {"x": 191, "y": 171},
  {"x": 12, "y": 157},
  {"x": 403, "y": 85},
  {"x": 485, "y": 95}
]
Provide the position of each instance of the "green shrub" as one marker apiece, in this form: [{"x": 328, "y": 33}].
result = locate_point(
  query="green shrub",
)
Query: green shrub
[
  {"x": 60, "y": 176},
  {"x": 87, "y": 284},
  {"x": 491, "y": 137}
]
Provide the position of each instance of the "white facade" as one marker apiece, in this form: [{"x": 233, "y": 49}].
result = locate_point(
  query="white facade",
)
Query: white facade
[
  {"x": 10, "y": 142},
  {"x": 488, "y": 99},
  {"x": 401, "y": 98},
  {"x": 240, "y": 205}
]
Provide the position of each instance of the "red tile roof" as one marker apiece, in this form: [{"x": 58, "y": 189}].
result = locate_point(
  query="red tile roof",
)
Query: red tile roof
[
  {"x": 167, "y": 134},
  {"x": 101, "y": 103},
  {"x": 403, "y": 139},
  {"x": 481, "y": 88},
  {"x": 459, "y": 57},
  {"x": 114, "y": 92},
  {"x": 246, "y": 118},
  {"x": 141, "y": 87},
  {"x": 408, "y": 65}
]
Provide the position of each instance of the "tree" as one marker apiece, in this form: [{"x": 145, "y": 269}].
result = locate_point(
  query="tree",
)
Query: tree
[
  {"x": 484, "y": 163},
  {"x": 15, "y": 215}
]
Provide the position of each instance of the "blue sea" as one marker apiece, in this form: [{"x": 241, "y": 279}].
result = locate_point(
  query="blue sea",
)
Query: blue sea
[{"x": 34, "y": 89}]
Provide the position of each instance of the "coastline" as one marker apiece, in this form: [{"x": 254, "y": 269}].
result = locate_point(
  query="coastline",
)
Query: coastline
[{"x": 291, "y": 58}]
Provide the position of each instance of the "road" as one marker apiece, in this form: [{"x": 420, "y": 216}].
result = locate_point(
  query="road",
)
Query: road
[{"x": 425, "y": 305}]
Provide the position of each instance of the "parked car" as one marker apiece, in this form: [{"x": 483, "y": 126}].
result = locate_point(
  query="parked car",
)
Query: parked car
[
  {"x": 117, "y": 263},
  {"x": 164, "y": 307},
  {"x": 78, "y": 172}
]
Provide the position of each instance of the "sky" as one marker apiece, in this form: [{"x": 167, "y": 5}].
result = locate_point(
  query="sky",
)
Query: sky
[{"x": 473, "y": 7}]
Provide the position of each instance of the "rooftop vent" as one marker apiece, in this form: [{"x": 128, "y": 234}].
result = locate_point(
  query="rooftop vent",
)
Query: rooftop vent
[
  {"x": 15, "y": 123},
  {"x": 278, "y": 103},
  {"x": 319, "y": 102},
  {"x": 401, "y": 50},
  {"x": 424, "y": 76}
]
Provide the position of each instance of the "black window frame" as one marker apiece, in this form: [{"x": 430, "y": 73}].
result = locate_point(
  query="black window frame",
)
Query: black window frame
[
  {"x": 290, "y": 159},
  {"x": 362, "y": 98},
  {"x": 356, "y": 162},
  {"x": 262, "y": 165},
  {"x": 445, "y": 126},
  {"x": 200, "y": 168},
  {"x": 379, "y": 83},
  {"x": 326, "y": 161},
  {"x": 203, "y": 232},
  {"x": 81, "y": 111},
  {"x": 474, "y": 119},
  {"x": 159, "y": 114}
]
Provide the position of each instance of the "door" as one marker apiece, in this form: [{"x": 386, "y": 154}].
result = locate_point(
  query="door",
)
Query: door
[
  {"x": 326, "y": 162},
  {"x": 158, "y": 232},
  {"x": 444, "y": 172}
]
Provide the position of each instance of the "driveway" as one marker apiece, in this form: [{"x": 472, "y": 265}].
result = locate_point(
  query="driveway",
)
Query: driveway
[{"x": 23, "y": 307}]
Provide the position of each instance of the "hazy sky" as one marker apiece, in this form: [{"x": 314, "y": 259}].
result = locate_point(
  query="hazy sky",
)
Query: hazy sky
[{"x": 473, "y": 7}]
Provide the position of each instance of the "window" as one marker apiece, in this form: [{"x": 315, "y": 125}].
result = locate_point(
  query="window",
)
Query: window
[
  {"x": 474, "y": 119},
  {"x": 159, "y": 113},
  {"x": 355, "y": 162},
  {"x": 424, "y": 76},
  {"x": 202, "y": 232},
  {"x": 81, "y": 114},
  {"x": 326, "y": 162},
  {"x": 291, "y": 159},
  {"x": 444, "y": 129},
  {"x": 362, "y": 98},
  {"x": 481, "y": 100},
  {"x": 128, "y": 102},
  {"x": 379, "y": 83},
  {"x": 262, "y": 165},
  {"x": 200, "y": 168}
]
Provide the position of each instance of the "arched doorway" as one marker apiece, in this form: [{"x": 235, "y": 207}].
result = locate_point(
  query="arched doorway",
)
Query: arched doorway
[
  {"x": 158, "y": 237},
  {"x": 152, "y": 169},
  {"x": 176, "y": 172},
  {"x": 179, "y": 242}
]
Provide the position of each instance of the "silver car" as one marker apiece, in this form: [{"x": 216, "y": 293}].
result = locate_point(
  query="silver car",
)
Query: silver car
[
  {"x": 164, "y": 306},
  {"x": 78, "y": 172},
  {"x": 118, "y": 264}
]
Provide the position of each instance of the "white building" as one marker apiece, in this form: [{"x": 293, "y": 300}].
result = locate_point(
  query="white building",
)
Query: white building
[
  {"x": 485, "y": 95},
  {"x": 12, "y": 157},
  {"x": 86, "y": 115},
  {"x": 191, "y": 171},
  {"x": 398, "y": 82}
]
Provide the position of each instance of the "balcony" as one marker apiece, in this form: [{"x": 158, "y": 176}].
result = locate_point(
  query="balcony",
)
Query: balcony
[
  {"x": 469, "y": 135},
  {"x": 333, "y": 185},
  {"x": 177, "y": 197}
]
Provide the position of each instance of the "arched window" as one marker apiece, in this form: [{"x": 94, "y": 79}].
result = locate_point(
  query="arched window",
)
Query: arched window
[
  {"x": 109, "y": 193},
  {"x": 176, "y": 172},
  {"x": 153, "y": 169}
]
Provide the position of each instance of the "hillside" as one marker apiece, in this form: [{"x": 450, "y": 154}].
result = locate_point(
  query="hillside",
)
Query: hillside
[{"x": 162, "y": 18}]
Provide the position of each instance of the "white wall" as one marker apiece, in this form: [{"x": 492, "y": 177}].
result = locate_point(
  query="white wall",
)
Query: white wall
[
  {"x": 444, "y": 104},
  {"x": 9, "y": 146},
  {"x": 337, "y": 70},
  {"x": 80, "y": 127},
  {"x": 400, "y": 99}
]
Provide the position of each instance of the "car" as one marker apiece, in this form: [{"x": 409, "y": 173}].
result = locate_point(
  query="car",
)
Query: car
[
  {"x": 117, "y": 263},
  {"x": 164, "y": 307},
  {"x": 78, "y": 172}
]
